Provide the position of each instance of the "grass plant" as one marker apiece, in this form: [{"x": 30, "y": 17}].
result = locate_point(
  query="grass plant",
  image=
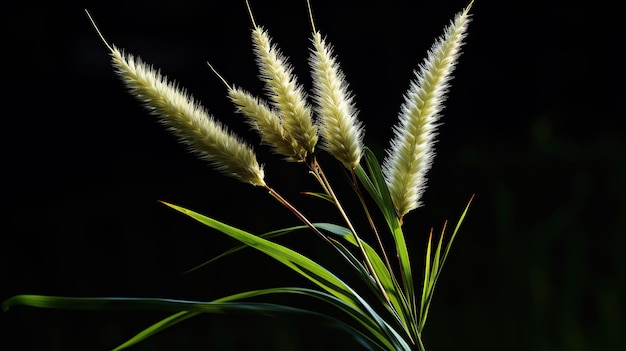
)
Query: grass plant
[{"x": 393, "y": 312}]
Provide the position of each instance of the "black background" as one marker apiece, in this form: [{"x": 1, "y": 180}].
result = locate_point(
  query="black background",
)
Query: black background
[{"x": 533, "y": 126}]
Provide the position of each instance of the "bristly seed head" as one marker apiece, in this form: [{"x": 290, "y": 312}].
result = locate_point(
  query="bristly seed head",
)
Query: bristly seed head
[
  {"x": 189, "y": 121},
  {"x": 411, "y": 152},
  {"x": 286, "y": 123},
  {"x": 285, "y": 93},
  {"x": 342, "y": 132},
  {"x": 268, "y": 123}
]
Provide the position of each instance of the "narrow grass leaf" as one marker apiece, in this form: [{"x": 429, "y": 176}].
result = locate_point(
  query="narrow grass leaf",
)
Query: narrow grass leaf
[
  {"x": 394, "y": 292},
  {"x": 319, "y": 195},
  {"x": 457, "y": 227},
  {"x": 435, "y": 275},
  {"x": 367, "y": 321},
  {"x": 303, "y": 265},
  {"x": 157, "y": 328},
  {"x": 269, "y": 235},
  {"x": 296, "y": 261},
  {"x": 362, "y": 319},
  {"x": 375, "y": 184},
  {"x": 426, "y": 285}
]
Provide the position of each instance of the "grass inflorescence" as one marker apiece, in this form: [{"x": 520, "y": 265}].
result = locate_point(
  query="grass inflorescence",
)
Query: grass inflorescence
[{"x": 292, "y": 123}]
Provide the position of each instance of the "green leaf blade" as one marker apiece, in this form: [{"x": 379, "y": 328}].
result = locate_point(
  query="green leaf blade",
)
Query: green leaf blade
[
  {"x": 394, "y": 292},
  {"x": 375, "y": 183},
  {"x": 296, "y": 261}
]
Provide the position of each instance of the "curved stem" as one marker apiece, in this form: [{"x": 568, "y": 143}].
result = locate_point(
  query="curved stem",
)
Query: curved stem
[
  {"x": 420, "y": 344},
  {"x": 321, "y": 177},
  {"x": 308, "y": 223},
  {"x": 298, "y": 214},
  {"x": 357, "y": 189}
]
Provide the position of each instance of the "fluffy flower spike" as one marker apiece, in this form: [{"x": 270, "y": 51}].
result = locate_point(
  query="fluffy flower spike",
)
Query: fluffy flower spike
[
  {"x": 341, "y": 131},
  {"x": 186, "y": 119},
  {"x": 411, "y": 153},
  {"x": 286, "y": 95},
  {"x": 265, "y": 120}
]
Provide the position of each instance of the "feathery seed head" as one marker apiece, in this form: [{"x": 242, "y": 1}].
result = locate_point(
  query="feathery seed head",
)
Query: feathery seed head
[
  {"x": 265, "y": 120},
  {"x": 189, "y": 121},
  {"x": 268, "y": 123},
  {"x": 286, "y": 95},
  {"x": 342, "y": 132},
  {"x": 411, "y": 152},
  {"x": 185, "y": 118}
]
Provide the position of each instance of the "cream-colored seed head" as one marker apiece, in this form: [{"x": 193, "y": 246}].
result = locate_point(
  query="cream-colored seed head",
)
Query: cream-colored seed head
[
  {"x": 284, "y": 92},
  {"x": 268, "y": 123},
  {"x": 185, "y": 118},
  {"x": 342, "y": 133},
  {"x": 411, "y": 153},
  {"x": 190, "y": 122}
]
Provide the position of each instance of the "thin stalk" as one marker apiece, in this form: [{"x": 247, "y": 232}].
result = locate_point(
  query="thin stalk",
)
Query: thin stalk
[
  {"x": 317, "y": 170},
  {"x": 357, "y": 189},
  {"x": 319, "y": 175},
  {"x": 300, "y": 216},
  {"x": 420, "y": 344},
  {"x": 329, "y": 241},
  {"x": 308, "y": 223}
]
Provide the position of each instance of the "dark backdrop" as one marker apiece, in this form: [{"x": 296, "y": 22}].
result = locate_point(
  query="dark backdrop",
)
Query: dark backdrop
[{"x": 533, "y": 127}]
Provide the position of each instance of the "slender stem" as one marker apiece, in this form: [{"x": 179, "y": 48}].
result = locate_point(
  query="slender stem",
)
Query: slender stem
[
  {"x": 298, "y": 214},
  {"x": 308, "y": 223},
  {"x": 357, "y": 189},
  {"x": 317, "y": 170},
  {"x": 420, "y": 344}
]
